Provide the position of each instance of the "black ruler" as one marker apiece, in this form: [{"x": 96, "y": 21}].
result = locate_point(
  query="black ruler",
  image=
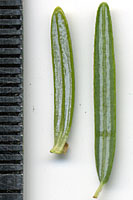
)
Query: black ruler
[{"x": 11, "y": 100}]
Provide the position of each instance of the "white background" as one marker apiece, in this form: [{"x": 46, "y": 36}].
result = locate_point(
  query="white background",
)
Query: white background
[{"x": 74, "y": 176}]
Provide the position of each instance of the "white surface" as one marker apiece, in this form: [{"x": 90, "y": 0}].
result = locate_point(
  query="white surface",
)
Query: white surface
[{"x": 73, "y": 176}]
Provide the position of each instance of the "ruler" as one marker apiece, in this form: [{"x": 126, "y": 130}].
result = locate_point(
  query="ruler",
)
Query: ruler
[{"x": 11, "y": 100}]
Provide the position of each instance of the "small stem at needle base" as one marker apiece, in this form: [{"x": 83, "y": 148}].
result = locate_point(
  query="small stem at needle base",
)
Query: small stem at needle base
[{"x": 98, "y": 190}]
